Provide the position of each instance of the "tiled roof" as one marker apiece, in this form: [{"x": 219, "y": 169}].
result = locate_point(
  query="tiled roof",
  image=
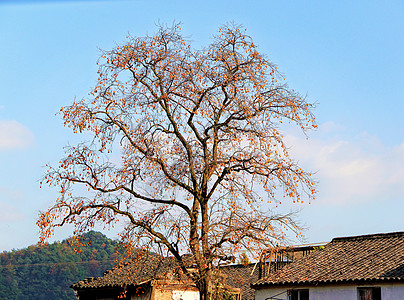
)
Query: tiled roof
[
  {"x": 366, "y": 258},
  {"x": 242, "y": 276},
  {"x": 142, "y": 269},
  {"x": 150, "y": 266}
]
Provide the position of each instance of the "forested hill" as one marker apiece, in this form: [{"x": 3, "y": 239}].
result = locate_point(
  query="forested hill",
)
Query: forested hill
[{"x": 46, "y": 272}]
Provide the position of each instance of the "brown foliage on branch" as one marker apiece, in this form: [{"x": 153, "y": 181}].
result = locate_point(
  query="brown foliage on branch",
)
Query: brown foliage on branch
[{"x": 186, "y": 148}]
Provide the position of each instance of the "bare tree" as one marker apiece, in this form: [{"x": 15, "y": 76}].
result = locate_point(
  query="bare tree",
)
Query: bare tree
[{"x": 186, "y": 148}]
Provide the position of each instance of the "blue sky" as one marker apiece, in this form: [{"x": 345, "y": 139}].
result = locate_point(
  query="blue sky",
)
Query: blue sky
[{"x": 348, "y": 56}]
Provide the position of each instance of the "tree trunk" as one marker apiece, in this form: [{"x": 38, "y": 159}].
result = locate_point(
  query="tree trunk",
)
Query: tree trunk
[{"x": 205, "y": 288}]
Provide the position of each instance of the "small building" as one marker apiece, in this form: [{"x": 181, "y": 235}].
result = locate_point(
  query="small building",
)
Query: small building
[
  {"x": 148, "y": 276},
  {"x": 152, "y": 277},
  {"x": 367, "y": 267}
]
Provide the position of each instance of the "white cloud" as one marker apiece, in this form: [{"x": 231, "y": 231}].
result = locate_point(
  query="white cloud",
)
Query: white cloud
[
  {"x": 14, "y": 135},
  {"x": 350, "y": 170}
]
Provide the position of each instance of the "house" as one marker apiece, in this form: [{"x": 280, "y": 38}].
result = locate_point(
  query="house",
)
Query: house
[
  {"x": 147, "y": 276},
  {"x": 367, "y": 267},
  {"x": 150, "y": 276}
]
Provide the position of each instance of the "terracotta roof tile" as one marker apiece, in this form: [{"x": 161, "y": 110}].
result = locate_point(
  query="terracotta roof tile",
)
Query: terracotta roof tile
[
  {"x": 377, "y": 257},
  {"x": 151, "y": 266},
  {"x": 242, "y": 276},
  {"x": 142, "y": 269}
]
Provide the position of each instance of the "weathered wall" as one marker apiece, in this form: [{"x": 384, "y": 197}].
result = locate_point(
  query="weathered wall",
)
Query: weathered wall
[{"x": 161, "y": 294}]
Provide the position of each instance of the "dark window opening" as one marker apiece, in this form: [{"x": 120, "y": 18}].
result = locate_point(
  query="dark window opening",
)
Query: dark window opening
[
  {"x": 302, "y": 294},
  {"x": 369, "y": 293}
]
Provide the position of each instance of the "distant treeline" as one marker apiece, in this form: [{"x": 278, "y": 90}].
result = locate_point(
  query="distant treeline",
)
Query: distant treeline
[{"x": 46, "y": 272}]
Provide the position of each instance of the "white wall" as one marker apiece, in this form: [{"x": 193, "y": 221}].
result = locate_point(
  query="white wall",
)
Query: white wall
[
  {"x": 266, "y": 293},
  {"x": 335, "y": 292},
  {"x": 185, "y": 295},
  {"x": 393, "y": 291}
]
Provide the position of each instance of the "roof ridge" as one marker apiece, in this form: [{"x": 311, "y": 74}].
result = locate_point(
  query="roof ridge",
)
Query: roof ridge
[{"x": 369, "y": 236}]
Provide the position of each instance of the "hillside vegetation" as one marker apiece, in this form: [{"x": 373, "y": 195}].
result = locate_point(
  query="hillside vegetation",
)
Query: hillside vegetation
[{"x": 46, "y": 272}]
